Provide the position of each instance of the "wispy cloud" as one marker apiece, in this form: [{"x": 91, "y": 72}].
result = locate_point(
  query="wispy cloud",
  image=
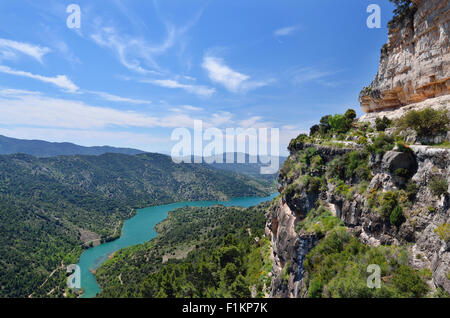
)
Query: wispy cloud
[
  {"x": 192, "y": 108},
  {"x": 312, "y": 74},
  {"x": 135, "y": 53},
  {"x": 232, "y": 80},
  {"x": 9, "y": 50},
  {"x": 194, "y": 89},
  {"x": 61, "y": 80},
  {"x": 118, "y": 99},
  {"x": 286, "y": 31}
]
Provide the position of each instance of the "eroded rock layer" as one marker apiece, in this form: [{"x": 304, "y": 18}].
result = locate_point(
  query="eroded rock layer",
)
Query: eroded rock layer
[{"x": 415, "y": 63}]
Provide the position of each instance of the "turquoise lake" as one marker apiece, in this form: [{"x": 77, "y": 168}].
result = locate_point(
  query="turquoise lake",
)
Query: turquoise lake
[{"x": 140, "y": 229}]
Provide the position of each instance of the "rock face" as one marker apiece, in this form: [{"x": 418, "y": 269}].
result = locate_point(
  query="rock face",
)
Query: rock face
[
  {"x": 415, "y": 63},
  {"x": 426, "y": 212}
]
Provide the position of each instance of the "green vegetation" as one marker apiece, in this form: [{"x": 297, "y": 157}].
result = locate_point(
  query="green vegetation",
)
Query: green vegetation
[
  {"x": 404, "y": 9},
  {"x": 443, "y": 231},
  {"x": 438, "y": 186},
  {"x": 339, "y": 124},
  {"x": 45, "y": 205},
  {"x": 382, "y": 124},
  {"x": 337, "y": 267},
  {"x": 381, "y": 143},
  {"x": 427, "y": 122},
  {"x": 225, "y": 258},
  {"x": 318, "y": 221},
  {"x": 350, "y": 114},
  {"x": 351, "y": 166},
  {"x": 397, "y": 217}
]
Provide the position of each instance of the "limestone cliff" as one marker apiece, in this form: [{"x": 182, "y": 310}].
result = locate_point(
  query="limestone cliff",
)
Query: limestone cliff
[{"x": 415, "y": 62}]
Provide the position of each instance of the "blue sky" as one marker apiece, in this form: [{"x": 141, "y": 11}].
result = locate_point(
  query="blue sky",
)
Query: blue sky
[{"x": 136, "y": 70}]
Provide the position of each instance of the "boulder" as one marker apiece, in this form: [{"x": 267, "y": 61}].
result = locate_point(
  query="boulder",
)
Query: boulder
[{"x": 393, "y": 160}]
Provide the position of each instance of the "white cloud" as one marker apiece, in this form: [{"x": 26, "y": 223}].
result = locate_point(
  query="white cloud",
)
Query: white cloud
[
  {"x": 37, "y": 110},
  {"x": 137, "y": 54},
  {"x": 9, "y": 48},
  {"x": 194, "y": 89},
  {"x": 133, "y": 53},
  {"x": 286, "y": 31},
  {"x": 61, "y": 80},
  {"x": 192, "y": 108},
  {"x": 232, "y": 80},
  {"x": 220, "y": 73},
  {"x": 118, "y": 99}
]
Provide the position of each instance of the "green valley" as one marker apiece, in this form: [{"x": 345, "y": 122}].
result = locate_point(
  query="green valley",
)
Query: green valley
[{"x": 52, "y": 207}]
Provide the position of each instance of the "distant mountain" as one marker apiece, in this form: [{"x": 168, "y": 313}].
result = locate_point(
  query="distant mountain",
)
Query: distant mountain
[
  {"x": 48, "y": 206},
  {"x": 42, "y": 149},
  {"x": 249, "y": 165}
]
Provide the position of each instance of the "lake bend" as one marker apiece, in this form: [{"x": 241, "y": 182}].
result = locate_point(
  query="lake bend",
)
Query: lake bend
[{"x": 140, "y": 229}]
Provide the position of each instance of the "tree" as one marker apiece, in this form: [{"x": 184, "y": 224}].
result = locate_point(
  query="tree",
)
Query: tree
[
  {"x": 350, "y": 114},
  {"x": 381, "y": 124},
  {"x": 324, "y": 124},
  {"x": 339, "y": 123},
  {"x": 397, "y": 217},
  {"x": 314, "y": 130}
]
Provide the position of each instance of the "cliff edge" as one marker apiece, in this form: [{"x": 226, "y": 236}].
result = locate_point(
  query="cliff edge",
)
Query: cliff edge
[{"x": 415, "y": 62}]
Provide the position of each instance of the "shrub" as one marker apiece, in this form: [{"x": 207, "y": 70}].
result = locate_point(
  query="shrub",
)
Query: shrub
[
  {"x": 427, "y": 122},
  {"x": 314, "y": 130},
  {"x": 381, "y": 144},
  {"x": 402, "y": 172},
  {"x": 324, "y": 125},
  {"x": 388, "y": 202},
  {"x": 382, "y": 124},
  {"x": 350, "y": 114},
  {"x": 438, "y": 186},
  {"x": 443, "y": 231},
  {"x": 362, "y": 140},
  {"x": 351, "y": 165},
  {"x": 408, "y": 282},
  {"x": 301, "y": 139},
  {"x": 411, "y": 190},
  {"x": 339, "y": 123},
  {"x": 397, "y": 217},
  {"x": 402, "y": 147}
]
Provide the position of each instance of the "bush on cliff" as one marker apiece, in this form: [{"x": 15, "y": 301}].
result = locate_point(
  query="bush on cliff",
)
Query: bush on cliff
[
  {"x": 382, "y": 124},
  {"x": 443, "y": 231},
  {"x": 397, "y": 217},
  {"x": 354, "y": 165},
  {"x": 337, "y": 267},
  {"x": 428, "y": 122},
  {"x": 350, "y": 114},
  {"x": 339, "y": 124},
  {"x": 438, "y": 186}
]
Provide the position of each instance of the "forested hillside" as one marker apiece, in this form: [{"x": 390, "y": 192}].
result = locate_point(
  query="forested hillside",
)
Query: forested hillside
[
  {"x": 49, "y": 207},
  {"x": 201, "y": 252}
]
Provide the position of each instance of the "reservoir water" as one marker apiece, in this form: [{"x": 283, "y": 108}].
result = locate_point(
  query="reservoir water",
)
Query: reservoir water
[{"x": 140, "y": 229}]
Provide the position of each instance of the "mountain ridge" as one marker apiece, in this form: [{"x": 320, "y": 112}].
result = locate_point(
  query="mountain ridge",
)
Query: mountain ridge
[{"x": 44, "y": 149}]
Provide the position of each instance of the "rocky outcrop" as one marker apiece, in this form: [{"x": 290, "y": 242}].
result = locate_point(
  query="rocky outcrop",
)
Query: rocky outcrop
[
  {"x": 281, "y": 229},
  {"x": 425, "y": 213},
  {"x": 415, "y": 62}
]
